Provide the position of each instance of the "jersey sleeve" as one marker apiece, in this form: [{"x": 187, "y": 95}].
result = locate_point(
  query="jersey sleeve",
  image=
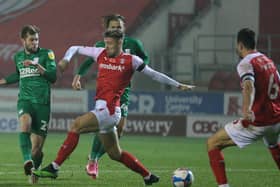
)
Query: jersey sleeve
[
  {"x": 92, "y": 52},
  {"x": 140, "y": 66},
  {"x": 13, "y": 77},
  {"x": 139, "y": 48},
  {"x": 137, "y": 63},
  {"x": 85, "y": 66},
  {"x": 245, "y": 70},
  {"x": 50, "y": 73}
]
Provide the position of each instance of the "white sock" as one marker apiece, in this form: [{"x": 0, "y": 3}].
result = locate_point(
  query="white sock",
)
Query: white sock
[
  {"x": 148, "y": 176},
  {"x": 224, "y": 185},
  {"x": 55, "y": 166}
]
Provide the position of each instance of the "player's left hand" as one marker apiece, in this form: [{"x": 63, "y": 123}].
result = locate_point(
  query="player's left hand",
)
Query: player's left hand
[
  {"x": 27, "y": 63},
  {"x": 62, "y": 65},
  {"x": 76, "y": 84},
  {"x": 186, "y": 87},
  {"x": 249, "y": 116}
]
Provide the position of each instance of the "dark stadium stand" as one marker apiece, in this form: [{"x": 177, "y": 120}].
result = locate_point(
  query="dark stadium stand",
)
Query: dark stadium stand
[
  {"x": 269, "y": 29},
  {"x": 64, "y": 23},
  {"x": 224, "y": 81}
]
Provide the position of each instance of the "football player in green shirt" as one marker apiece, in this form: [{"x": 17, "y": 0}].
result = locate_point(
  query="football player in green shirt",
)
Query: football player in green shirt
[
  {"x": 130, "y": 45},
  {"x": 35, "y": 72}
]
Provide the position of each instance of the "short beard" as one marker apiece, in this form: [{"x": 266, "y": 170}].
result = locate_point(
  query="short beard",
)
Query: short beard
[{"x": 31, "y": 51}]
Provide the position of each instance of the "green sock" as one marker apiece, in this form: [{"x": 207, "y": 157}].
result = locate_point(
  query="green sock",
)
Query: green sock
[
  {"x": 37, "y": 160},
  {"x": 95, "y": 147},
  {"x": 25, "y": 145},
  {"x": 101, "y": 152}
]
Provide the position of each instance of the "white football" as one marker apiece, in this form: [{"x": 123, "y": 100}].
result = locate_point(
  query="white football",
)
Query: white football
[{"x": 182, "y": 177}]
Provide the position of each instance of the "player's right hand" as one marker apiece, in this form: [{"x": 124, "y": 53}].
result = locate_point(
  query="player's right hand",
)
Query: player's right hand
[
  {"x": 62, "y": 65},
  {"x": 186, "y": 87},
  {"x": 76, "y": 84}
]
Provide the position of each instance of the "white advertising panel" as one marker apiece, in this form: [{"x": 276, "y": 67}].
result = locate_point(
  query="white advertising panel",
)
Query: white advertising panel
[
  {"x": 204, "y": 126},
  {"x": 69, "y": 101},
  {"x": 8, "y": 122}
]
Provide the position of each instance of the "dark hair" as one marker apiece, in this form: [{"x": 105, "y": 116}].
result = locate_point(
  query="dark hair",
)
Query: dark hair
[
  {"x": 29, "y": 29},
  {"x": 247, "y": 37},
  {"x": 112, "y": 17},
  {"x": 116, "y": 34}
]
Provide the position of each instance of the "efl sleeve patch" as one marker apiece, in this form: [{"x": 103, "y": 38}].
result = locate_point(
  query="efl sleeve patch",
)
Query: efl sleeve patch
[{"x": 51, "y": 55}]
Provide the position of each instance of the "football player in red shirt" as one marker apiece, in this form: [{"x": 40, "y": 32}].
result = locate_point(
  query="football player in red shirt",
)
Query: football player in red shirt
[
  {"x": 260, "y": 108},
  {"x": 115, "y": 70}
]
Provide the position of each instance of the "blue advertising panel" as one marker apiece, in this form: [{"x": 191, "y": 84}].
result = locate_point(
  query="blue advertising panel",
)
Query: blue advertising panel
[{"x": 173, "y": 102}]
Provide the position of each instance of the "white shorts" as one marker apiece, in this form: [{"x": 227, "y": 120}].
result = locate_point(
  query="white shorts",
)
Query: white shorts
[
  {"x": 106, "y": 121},
  {"x": 244, "y": 136}
]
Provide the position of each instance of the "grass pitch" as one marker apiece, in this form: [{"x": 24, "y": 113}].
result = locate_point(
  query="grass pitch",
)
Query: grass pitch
[{"x": 249, "y": 167}]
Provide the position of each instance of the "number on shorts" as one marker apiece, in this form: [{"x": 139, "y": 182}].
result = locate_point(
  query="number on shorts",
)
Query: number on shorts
[{"x": 44, "y": 125}]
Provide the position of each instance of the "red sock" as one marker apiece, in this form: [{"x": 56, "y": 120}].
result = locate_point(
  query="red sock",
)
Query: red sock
[
  {"x": 131, "y": 162},
  {"x": 275, "y": 153},
  {"x": 67, "y": 147},
  {"x": 217, "y": 163}
]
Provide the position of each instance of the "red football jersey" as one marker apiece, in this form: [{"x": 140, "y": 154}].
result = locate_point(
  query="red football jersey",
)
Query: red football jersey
[
  {"x": 266, "y": 106},
  {"x": 114, "y": 75}
]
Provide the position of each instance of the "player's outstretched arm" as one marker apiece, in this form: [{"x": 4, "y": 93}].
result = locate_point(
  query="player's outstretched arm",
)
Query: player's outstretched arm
[
  {"x": 10, "y": 79},
  {"x": 162, "y": 78}
]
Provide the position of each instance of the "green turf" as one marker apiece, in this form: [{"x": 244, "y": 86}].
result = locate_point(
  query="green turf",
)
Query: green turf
[{"x": 250, "y": 167}]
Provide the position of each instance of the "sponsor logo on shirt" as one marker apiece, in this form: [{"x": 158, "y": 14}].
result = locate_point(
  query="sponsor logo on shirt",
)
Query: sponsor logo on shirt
[
  {"x": 29, "y": 72},
  {"x": 112, "y": 67},
  {"x": 122, "y": 61}
]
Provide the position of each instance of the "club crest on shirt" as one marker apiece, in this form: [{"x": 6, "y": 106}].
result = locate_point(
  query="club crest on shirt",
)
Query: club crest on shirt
[
  {"x": 122, "y": 61},
  {"x": 127, "y": 51}
]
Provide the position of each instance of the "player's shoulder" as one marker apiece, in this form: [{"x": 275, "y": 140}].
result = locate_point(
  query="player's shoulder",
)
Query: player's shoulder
[
  {"x": 47, "y": 52},
  {"x": 131, "y": 56},
  {"x": 248, "y": 59},
  {"x": 246, "y": 64},
  {"x": 99, "y": 44},
  {"x": 19, "y": 53},
  {"x": 132, "y": 40}
]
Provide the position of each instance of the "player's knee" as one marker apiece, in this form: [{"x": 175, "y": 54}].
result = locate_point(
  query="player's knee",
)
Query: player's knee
[
  {"x": 120, "y": 133},
  {"x": 75, "y": 127},
  {"x": 211, "y": 143},
  {"x": 25, "y": 123},
  {"x": 114, "y": 155}
]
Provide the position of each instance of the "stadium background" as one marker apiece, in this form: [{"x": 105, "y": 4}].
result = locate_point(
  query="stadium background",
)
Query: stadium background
[{"x": 191, "y": 40}]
